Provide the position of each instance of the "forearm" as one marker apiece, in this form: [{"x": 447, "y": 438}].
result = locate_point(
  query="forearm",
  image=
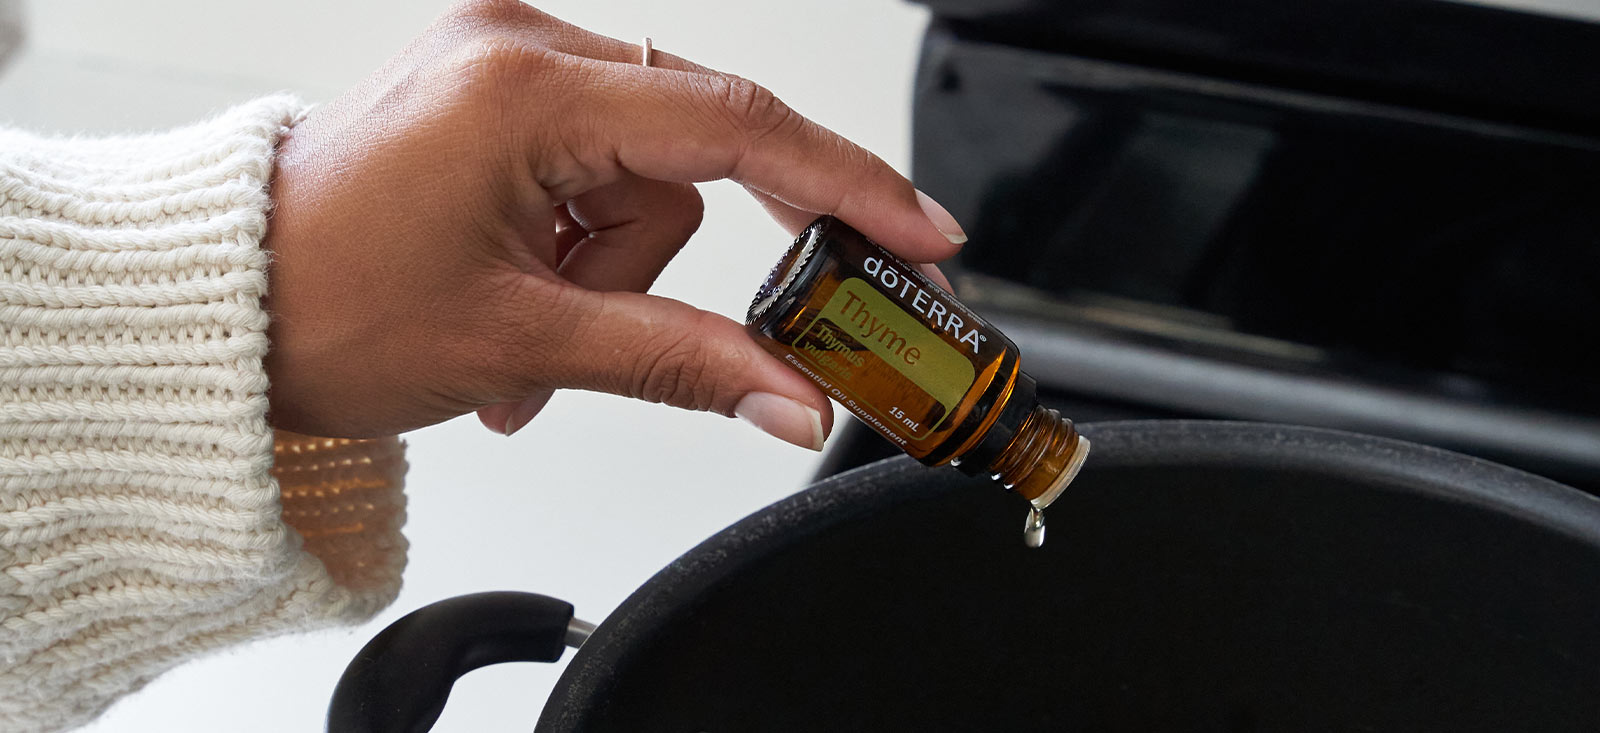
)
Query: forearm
[{"x": 142, "y": 516}]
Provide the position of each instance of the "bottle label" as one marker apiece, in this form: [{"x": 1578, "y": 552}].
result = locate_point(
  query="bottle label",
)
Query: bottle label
[{"x": 858, "y": 326}]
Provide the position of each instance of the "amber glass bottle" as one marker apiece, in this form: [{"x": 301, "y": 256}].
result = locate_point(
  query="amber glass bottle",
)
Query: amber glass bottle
[{"x": 912, "y": 362}]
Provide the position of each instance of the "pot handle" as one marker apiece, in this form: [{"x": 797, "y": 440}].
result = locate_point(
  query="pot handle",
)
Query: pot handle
[{"x": 399, "y": 681}]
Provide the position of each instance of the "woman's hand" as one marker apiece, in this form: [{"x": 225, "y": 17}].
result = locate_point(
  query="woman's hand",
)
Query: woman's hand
[{"x": 474, "y": 226}]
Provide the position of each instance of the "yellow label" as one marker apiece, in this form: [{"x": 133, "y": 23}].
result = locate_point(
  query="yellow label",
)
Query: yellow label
[{"x": 859, "y": 326}]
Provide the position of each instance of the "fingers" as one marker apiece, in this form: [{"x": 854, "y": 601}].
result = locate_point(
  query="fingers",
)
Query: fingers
[
  {"x": 616, "y": 237},
  {"x": 577, "y": 41},
  {"x": 678, "y": 121},
  {"x": 792, "y": 220},
  {"x": 664, "y": 351},
  {"x": 661, "y": 350},
  {"x": 679, "y": 126},
  {"x": 635, "y": 227},
  {"x": 586, "y": 112},
  {"x": 548, "y": 31},
  {"x": 585, "y": 123},
  {"x": 568, "y": 234}
]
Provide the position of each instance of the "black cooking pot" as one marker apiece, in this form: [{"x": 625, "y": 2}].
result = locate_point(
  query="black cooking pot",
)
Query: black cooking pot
[{"x": 1198, "y": 576}]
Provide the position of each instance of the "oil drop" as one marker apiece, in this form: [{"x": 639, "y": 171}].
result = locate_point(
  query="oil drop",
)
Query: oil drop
[{"x": 1033, "y": 527}]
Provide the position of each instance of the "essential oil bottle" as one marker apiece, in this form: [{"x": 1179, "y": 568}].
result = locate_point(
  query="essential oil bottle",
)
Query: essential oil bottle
[{"x": 914, "y": 363}]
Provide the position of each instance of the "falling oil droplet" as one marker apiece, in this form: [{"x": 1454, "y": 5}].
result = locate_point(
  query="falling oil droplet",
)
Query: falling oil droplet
[{"x": 1033, "y": 529}]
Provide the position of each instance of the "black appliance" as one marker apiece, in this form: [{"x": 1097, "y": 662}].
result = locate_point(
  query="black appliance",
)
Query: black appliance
[{"x": 1378, "y": 217}]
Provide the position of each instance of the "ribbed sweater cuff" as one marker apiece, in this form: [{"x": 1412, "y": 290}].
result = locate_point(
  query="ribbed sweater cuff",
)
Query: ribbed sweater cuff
[{"x": 142, "y": 511}]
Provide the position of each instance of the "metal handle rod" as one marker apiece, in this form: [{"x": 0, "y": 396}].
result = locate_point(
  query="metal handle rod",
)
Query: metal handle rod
[{"x": 578, "y": 632}]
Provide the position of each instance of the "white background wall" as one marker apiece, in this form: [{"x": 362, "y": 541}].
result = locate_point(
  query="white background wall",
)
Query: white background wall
[{"x": 597, "y": 494}]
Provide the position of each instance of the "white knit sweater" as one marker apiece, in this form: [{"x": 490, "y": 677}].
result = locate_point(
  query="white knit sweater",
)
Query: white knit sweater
[{"x": 148, "y": 513}]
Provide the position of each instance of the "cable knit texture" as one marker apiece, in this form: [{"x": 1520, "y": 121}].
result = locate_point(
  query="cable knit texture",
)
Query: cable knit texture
[{"x": 145, "y": 505}]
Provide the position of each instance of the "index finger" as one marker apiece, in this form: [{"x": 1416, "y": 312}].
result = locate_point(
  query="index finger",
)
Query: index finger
[{"x": 687, "y": 126}]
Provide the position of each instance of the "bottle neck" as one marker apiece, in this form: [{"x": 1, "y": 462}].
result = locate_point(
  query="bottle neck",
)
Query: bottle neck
[{"x": 1042, "y": 458}]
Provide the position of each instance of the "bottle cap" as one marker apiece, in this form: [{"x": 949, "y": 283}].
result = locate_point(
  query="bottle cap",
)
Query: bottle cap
[{"x": 1070, "y": 472}]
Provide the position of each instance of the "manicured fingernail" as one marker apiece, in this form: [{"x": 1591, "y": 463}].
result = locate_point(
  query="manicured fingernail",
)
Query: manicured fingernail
[
  {"x": 523, "y": 414},
  {"x": 942, "y": 220},
  {"x": 936, "y": 275},
  {"x": 782, "y": 418}
]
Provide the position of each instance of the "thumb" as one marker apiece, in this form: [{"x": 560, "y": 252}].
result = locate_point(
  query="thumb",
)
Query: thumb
[{"x": 662, "y": 350}]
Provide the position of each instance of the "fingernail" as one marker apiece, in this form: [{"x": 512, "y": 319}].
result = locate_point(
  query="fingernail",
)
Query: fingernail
[
  {"x": 782, "y": 418},
  {"x": 524, "y": 413},
  {"x": 936, "y": 275},
  {"x": 942, "y": 220}
]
